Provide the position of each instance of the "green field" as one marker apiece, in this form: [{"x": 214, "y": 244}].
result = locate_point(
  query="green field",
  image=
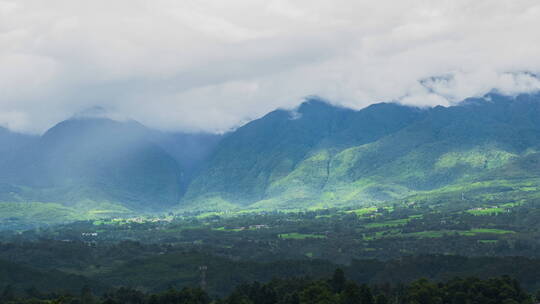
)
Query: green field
[
  {"x": 364, "y": 211},
  {"x": 486, "y": 211},
  {"x": 300, "y": 236},
  {"x": 435, "y": 233},
  {"x": 488, "y": 241},
  {"x": 392, "y": 223},
  {"x": 229, "y": 229}
]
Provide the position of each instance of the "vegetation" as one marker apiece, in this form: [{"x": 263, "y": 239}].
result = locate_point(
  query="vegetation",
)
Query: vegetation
[
  {"x": 389, "y": 195},
  {"x": 397, "y": 243},
  {"x": 323, "y": 157},
  {"x": 300, "y": 236},
  {"x": 475, "y": 151},
  {"x": 334, "y": 290}
]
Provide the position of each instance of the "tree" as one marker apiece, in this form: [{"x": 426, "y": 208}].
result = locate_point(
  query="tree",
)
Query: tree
[
  {"x": 338, "y": 281},
  {"x": 318, "y": 293},
  {"x": 424, "y": 292},
  {"x": 86, "y": 296},
  {"x": 125, "y": 295},
  {"x": 185, "y": 296},
  {"x": 366, "y": 297},
  {"x": 33, "y": 292},
  {"x": 237, "y": 298},
  {"x": 351, "y": 294},
  {"x": 8, "y": 294},
  {"x": 381, "y": 299}
]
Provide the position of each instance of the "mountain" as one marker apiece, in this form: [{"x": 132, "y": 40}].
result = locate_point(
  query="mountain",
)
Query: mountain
[
  {"x": 317, "y": 155},
  {"x": 103, "y": 164},
  {"x": 248, "y": 164},
  {"x": 99, "y": 160},
  {"x": 323, "y": 155},
  {"x": 189, "y": 150},
  {"x": 11, "y": 144},
  {"x": 11, "y": 141}
]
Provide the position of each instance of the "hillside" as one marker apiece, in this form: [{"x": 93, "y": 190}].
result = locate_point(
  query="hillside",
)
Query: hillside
[
  {"x": 316, "y": 156},
  {"x": 327, "y": 156},
  {"x": 91, "y": 167},
  {"x": 98, "y": 160}
]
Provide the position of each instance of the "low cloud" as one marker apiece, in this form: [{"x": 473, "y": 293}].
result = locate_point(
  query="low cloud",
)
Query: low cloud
[{"x": 213, "y": 65}]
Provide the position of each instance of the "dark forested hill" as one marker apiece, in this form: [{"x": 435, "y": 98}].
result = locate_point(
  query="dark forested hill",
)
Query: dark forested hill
[
  {"x": 101, "y": 164},
  {"x": 99, "y": 160},
  {"x": 11, "y": 142},
  {"x": 22, "y": 277}
]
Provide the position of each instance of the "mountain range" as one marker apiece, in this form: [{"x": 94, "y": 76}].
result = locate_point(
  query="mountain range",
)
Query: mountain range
[{"x": 315, "y": 156}]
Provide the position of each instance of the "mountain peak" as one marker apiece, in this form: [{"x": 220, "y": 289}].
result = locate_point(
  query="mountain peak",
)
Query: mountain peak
[
  {"x": 314, "y": 104},
  {"x": 99, "y": 112},
  {"x": 499, "y": 98},
  {"x": 92, "y": 112}
]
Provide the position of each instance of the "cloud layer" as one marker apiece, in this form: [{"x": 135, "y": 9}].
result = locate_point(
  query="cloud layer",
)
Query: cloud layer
[{"x": 212, "y": 65}]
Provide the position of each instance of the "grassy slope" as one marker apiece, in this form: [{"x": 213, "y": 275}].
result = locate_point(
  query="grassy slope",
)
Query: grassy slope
[
  {"x": 282, "y": 158},
  {"x": 325, "y": 180},
  {"x": 17, "y": 215}
]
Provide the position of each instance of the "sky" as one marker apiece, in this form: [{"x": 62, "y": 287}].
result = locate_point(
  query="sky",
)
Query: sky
[{"x": 206, "y": 65}]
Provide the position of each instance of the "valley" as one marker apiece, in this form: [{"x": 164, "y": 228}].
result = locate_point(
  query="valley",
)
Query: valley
[
  {"x": 153, "y": 252},
  {"x": 389, "y": 193},
  {"x": 270, "y": 152}
]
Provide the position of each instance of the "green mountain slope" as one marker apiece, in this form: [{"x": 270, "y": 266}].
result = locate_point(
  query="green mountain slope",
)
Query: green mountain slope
[
  {"x": 316, "y": 156},
  {"x": 325, "y": 158},
  {"x": 247, "y": 162}
]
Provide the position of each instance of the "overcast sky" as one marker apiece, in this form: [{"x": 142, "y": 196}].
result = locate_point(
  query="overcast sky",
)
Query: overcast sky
[{"x": 213, "y": 65}]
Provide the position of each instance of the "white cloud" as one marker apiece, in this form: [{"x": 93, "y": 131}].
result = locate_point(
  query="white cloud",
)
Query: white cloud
[{"x": 211, "y": 65}]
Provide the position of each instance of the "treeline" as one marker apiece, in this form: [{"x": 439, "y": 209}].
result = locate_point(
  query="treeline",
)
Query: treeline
[
  {"x": 156, "y": 272},
  {"x": 335, "y": 290}
]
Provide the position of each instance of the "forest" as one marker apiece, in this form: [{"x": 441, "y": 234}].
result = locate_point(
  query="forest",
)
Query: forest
[
  {"x": 232, "y": 257},
  {"x": 336, "y": 289}
]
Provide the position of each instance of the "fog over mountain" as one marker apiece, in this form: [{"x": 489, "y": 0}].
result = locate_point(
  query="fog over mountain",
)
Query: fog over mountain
[
  {"x": 315, "y": 155},
  {"x": 210, "y": 66},
  {"x": 112, "y": 108}
]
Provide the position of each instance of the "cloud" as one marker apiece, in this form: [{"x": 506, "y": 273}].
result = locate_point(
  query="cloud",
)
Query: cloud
[{"x": 212, "y": 65}]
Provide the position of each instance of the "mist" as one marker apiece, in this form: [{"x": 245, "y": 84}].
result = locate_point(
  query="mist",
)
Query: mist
[{"x": 212, "y": 66}]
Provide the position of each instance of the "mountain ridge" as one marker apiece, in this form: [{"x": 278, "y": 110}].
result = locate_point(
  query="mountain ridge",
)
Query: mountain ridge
[
  {"x": 315, "y": 156},
  {"x": 101, "y": 161},
  {"x": 431, "y": 150}
]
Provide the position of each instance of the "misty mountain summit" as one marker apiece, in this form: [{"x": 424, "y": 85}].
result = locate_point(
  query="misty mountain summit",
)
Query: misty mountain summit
[
  {"x": 319, "y": 154},
  {"x": 98, "y": 160},
  {"x": 333, "y": 156}
]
